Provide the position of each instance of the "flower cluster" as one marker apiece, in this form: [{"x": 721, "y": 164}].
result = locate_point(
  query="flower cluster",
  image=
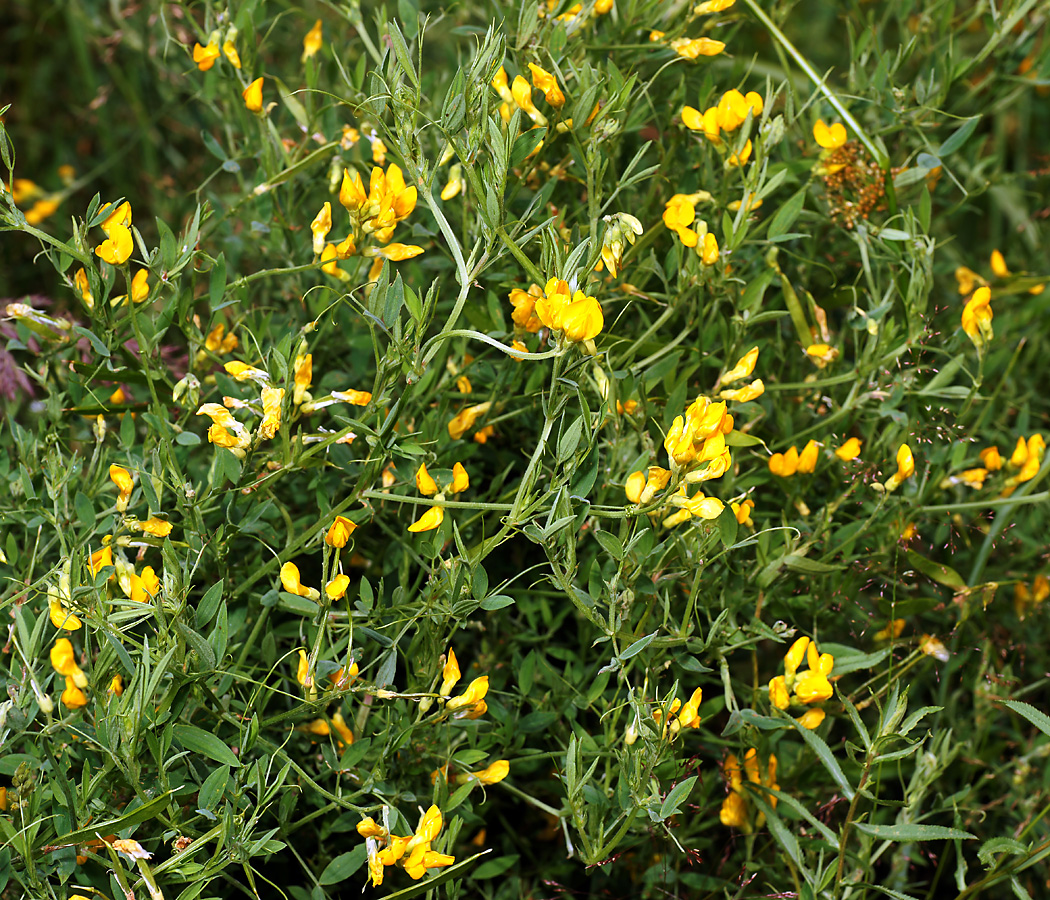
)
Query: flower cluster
[
  {"x": 680, "y": 217},
  {"x": 725, "y": 117},
  {"x": 374, "y": 215},
  {"x": 1026, "y": 599},
  {"x": 736, "y": 812},
  {"x": 518, "y": 94},
  {"x": 471, "y": 703},
  {"x": 574, "y": 316},
  {"x": 412, "y": 853},
  {"x": 807, "y": 688},
  {"x": 428, "y": 487},
  {"x": 680, "y": 715},
  {"x": 784, "y": 465},
  {"x": 622, "y": 230}
]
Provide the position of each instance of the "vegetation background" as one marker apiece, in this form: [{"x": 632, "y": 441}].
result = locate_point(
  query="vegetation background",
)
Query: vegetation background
[{"x": 186, "y": 716}]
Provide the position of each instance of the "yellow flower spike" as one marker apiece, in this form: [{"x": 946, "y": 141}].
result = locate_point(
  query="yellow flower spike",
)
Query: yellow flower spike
[
  {"x": 849, "y": 450},
  {"x": 474, "y": 694},
  {"x": 339, "y": 532},
  {"x": 493, "y": 773},
  {"x": 830, "y": 137},
  {"x": 450, "y": 674},
  {"x": 455, "y": 184},
  {"x": 73, "y": 697},
  {"x": 320, "y": 227},
  {"x": 430, "y": 520},
  {"x": 205, "y": 56},
  {"x": 464, "y": 420},
  {"x": 993, "y": 462},
  {"x": 784, "y": 465},
  {"x": 271, "y": 422},
  {"x": 61, "y": 617},
  {"x": 748, "y": 392},
  {"x": 460, "y": 479},
  {"x": 425, "y": 484},
  {"x": 121, "y": 477},
  {"x": 544, "y": 81},
  {"x": 230, "y": 49},
  {"x": 312, "y": 41},
  {"x": 778, "y": 693},
  {"x": 116, "y": 685},
  {"x": 807, "y": 459},
  {"x": 977, "y": 318},
  {"x": 118, "y": 247},
  {"x": 336, "y": 588},
  {"x": 811, "y": 719},
  {"x": 293, "y": 585},
  {"x": 695, "y": 47},
  {"x": 998, "y": 263},
  {"x": 743, "y": 368}
]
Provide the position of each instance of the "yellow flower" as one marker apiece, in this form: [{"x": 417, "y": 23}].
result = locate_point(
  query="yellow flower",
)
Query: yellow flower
[
  {"x": 83, "y": 287},
  {"x": 1020, "y": 455},
  {"x": 793, "y": 658},
  {"x": 464, "y": 420},
  {"x": 822, "y": 354},
  {"x": 346, "y": 736},
  {"x": 304, "y": 373},
  {"x": 240, "y": 371},
  {"x": 230, "y": 49},
  {"x": 336, "y": 588},
  {"x": 205, "y": 57},
  {"x": 742, "y": 511},
  {"x": 216, "y": 343},
  {"x": 63, "y": 661},
  {"x": 131, "y": 849},
  {"x": 733, "y": 813},
  {"x": 830, "y": 137},
  {"x": 291, "y": 582},
  {"x": 395, "y": 252},
  {"x": 144, "y": 587},
  {"x": 354, "y": 398},
  {"x": 546, "y": 82},
  {"x": 993, "y": 462},
  {"x": 117, "y": 247},
  {"x": 100, "y": 559},
  {"x": 154, "y": 526},
  {"x": 977, "y": 318},
  {"x": 61, "y": 617},
  {"x": 455, "y": 185},
  {"x": 271, "y": 403},
  {"x": 493, "y": 773},
  {"x": 708, "y": 251},
  {"x": 582, "y": 319},
  {"x": 320, "y": 227},
  {"x": 521, "y": 91},
  {"x": 999, "y": 265},
  {"x": 778, "y": 693},
  {"x": 116, "y": 685},
  {"x": 892, "y": 631},
  {"x": 743, "y": 368},
  {"x": 369, "y": 828},
  {"x": 252, "y": 95},
  {"x": 813, "y": 687},
  {"x": 929, "y": 645},
  {"x": 339, "y": 532},
  {"x": 905, "y": 468},
  {"x": 968, "y": 279},
  {"x": 41, "y": 210},
  {"x": 712, "y": 6},
  {"x": 472, "y": 696},
  {"x": 460, "y": 479},
  {"x": 784, "y": 464},
  {"x": 739, "y": 159},
  {"x": 807, "y": 459},
  {"x": 450, "y": 674},
  {"x": 302, "y": 671},
  {"x": 312, "y": 41},
  {"x": 811, "y": 718},
  {"x": 430, "y": 520},
  {"x": 121, "y": 477},
  {"x": 849, "y": 450},
  {"x": 691, "y": 48},
  {"x": 679, "y": 213},
  {"x": 425, "y": 484},
  {"x": 73, "y": 697},
  {"x": 748, "y": 392}
]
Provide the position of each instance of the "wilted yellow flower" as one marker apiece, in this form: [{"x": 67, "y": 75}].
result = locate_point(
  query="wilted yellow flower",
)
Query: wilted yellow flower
[
  {"x": 252, "y": 95},
  {"x": 931, "y": 646},
  {"x": 131, "y": 849},
  {"x": 892, "y": 631},
  {"x": 849, "y": 450},
  {"x": 430, "y": 520},
  {"x": 830, "y": 137},
  {"x": 271, "y": 403},
  {"x": 312, "y": 41},
  {"x": 822, "y": 354},
  {"x": 691, "y": 48}
]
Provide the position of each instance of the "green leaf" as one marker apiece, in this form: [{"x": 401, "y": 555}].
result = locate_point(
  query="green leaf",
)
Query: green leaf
[
  {"x": 912, "y": 832},
  {"x": 940, "y": 573},
  {"x": 140, "y": 814},
  {"x": 344, "y": 865},
  {"x": 100, "y": 348},
  {"x": 493, "y": 867},
  {"x": 497, "y": 601},
  {"x": 1000, "y": 845},
  {"x": 785, "y": 217},
  {"x": 217, "y": 281},
  {"x": 525, "y": 144},
  {"x": 638, "y": 646},
  {"x": 676, "y": 797},
  {"x": 1039, "y": 719},
  {"x": 958, "y": 137},
  {"x": 197, "y": 740},
  {"x": 826, "y": 757}
]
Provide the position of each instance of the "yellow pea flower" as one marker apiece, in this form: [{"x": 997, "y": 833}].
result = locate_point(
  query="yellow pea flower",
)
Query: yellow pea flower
[
  {"x": 146, "y": 586},
  {"x": 302, "y": 671},
  {"x": 582, "y": 319},
  {"x": 793, "y": 658},
  {"x": 811, "y": 719},
  {"x": 493, "y": 773},
  {"x": 291, "y": 582},
  {"x": 521, "y": 91},
  {"x": 63, "y": 661},
  {"x": 425, "y": 484},
  {"x": 998, "y": 263},
  {"x": 813, "y": 687},
  {"x": 430, "y": 520},
  {"x": 116, "y": 685},
  {"x": 473, "y": 696},
  {"x": 712, "y": 6},
  {"x": 320, "y": 227},
  {"x": 73, "y": 697},
  {"x": 242, "y": 372},
  {"x": 312, "y": 41},
  {"x": 849, "y": 450},
  {"x": 100, "y": 559},
  {"x": 339, "y": 532},
  {"x": 892, "y": 631},
  {"x": 153, "y": 526},
  {"x": 784, "y": 465},
  {"x": 993, "y": 462},
  {"x": 117, "y": 247},
  {"x": 252, "y": 95},
  {"x": 737, "y": 160},
  {"x": 905, "y": 468},
  {"x": 464, "y": 420},
  {"x": 395, "y": 252},
  {"x": 546, "y": 82},
  {"x": 303, "y": 375},
  {"x": 743, "y": 367},
  {"x": 456, "y": 183},
  {"x": 336, "y": 588},
  {"x": 205, "y": 56},
  {"x": 830, "y": 137},
  {"x": 354, "y": 398},
  {"x": 967, "y": 280},
  {"x": 460, "y": 479},
  {"x": 121, "y": 477},
  {"x": 61, "y": 617},
  {"x": 83, "y": 288},
  {"x": 691, "y": 48},
  {"x": 977, "y": 318},
  {"x": 271, "y": 422},
  {"x": 216, "y": 343},
  {"x": 230, "y": 49},
  {"x": 778, "y": 693},
  {"x": 748, "y": 392},
  {"x": 807, "y": 459},
  {"x": 450, "y": 674},
  {"x": 822, "y": 354},
  {"x": 742, "y": 511}
]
